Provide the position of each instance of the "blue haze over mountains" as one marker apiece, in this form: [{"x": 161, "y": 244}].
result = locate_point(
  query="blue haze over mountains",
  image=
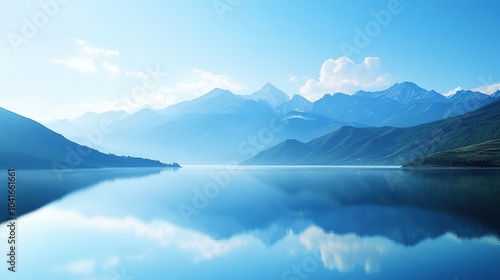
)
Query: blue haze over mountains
[
  {"x": 27, "y": 144},
  {"x": 220, "y": 126}
]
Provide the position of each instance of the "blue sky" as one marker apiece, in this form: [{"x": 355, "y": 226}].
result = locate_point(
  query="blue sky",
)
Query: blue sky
[{"x": 70, "y": 57}]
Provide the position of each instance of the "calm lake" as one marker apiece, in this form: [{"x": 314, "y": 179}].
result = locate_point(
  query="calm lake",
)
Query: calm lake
[{"x": 255, "y": 223}]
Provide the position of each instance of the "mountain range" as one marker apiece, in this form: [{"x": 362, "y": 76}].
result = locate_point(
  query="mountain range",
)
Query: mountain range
[
  {"x": 220, "y": 126},
  {"x": 387, "y": 145},
  {"x": 26, "y": 144}
]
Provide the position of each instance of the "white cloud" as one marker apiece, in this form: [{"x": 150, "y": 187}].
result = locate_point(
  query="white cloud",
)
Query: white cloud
[
  {"x": 113, "y": 70},
  {"x": 343, "y": 75},
  {"x": 203, "y": 247},
  {"x": 489, "y": 89},
  {"x": 87, "y": 63},
  {"x": 292, "y": 78},
  {"x": 93, "y": 50},
  {"x": 345, "y": 252},
  {"x": 81, "y": 64},
  {"x": 453, "y": 91}
]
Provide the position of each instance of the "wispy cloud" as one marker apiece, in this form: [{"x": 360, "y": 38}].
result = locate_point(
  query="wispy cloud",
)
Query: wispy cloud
[
  {"x": 292, "y": 78},
  {"x": 85, "y": 64},
  {"x": 90, "y": 50},
  {"x": 88, "y": 60},
  {"x": 113, "y": 70},
  {"x": 344, "y": 75}
]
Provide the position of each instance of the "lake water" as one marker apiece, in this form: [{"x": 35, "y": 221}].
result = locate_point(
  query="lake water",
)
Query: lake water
[{"x": 256, "y": 223}]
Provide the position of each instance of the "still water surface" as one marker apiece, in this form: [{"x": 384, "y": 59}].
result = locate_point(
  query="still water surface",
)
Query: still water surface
[{"x": 256, "y": 223}]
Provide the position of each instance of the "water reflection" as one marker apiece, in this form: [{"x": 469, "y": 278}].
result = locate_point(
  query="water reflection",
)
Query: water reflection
[
  {"x": 407, "y": 206},
  {"x": 37, "y": 188},
  {"x": 345, "y": 252},
  {"x": 323, "y": 223}
]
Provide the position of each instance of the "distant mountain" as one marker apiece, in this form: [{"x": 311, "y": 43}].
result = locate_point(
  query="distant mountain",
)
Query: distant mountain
[
  {"x": 214, "y": 128},
  {"x": 271, "y": 94},
  {"x": 215, "y": 102},
  {"x": 28, "y": 144},
  {"x": 220, "y": 126},
  {"x": 486, "y": 154},
  {"x": 466, "y": 99},
  {"x": 467, "y": 96},
  {"x": 82, "y": 128},
  {"x": 405, "y": 93},
  {"x": 388, "y": 145},
  {"x": 306, "y": 126},
  {"x": 230, "y": 136},
  {"x": 91, "y": 120},
  {"x": 70, "y": 130},
  {"x": 421, "y": 112},
  {"x": 355, "y": 110},
  {"x": 402, "y": 105},
  {"x": 297, "y": 104},
  {"x": 139, "y": 122}
]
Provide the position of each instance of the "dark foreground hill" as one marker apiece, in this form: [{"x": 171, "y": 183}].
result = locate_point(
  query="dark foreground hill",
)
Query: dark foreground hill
[
  {"x": 26, "y": 144},
  {"x": 486, "y": 154}
]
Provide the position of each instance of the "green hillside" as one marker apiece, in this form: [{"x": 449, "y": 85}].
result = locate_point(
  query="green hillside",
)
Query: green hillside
[
  {"x": 486, "y": 154},
  {"x": 388, "y": 145}
]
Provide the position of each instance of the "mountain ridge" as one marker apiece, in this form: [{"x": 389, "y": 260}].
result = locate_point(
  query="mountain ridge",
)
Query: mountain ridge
[
  {"x": 271, "y": 94},
  {"x": 390, "y": 145},
  {"x": 210, "y": 128},
  {"x": 29, "y": 144}
]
